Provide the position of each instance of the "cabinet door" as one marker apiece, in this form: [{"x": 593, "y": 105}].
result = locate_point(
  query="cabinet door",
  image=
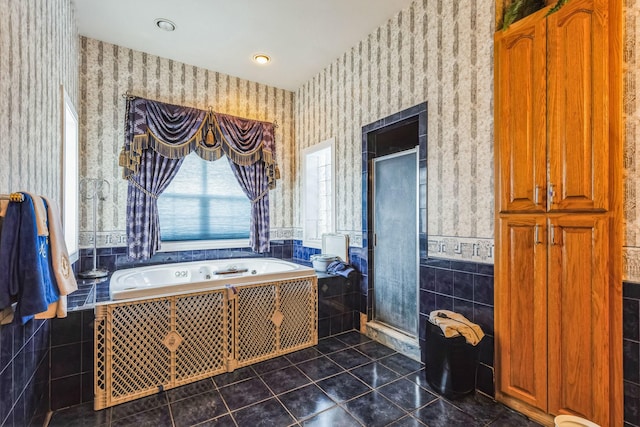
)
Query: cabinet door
[
  {"x": 579, "y": 317},
  {"x": 521, "y": 309},
  {"x": 578, "y": 84},
  {"x": 520, "y": 116}
]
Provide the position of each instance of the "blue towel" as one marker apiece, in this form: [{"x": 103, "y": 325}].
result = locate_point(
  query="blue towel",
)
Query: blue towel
[
  {"x": 341, "y": 269},
  {"x": 25, "y": 263}
]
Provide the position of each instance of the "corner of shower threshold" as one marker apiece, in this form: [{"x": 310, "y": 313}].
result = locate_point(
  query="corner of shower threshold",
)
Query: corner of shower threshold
[{"x": 390, "y": 337}]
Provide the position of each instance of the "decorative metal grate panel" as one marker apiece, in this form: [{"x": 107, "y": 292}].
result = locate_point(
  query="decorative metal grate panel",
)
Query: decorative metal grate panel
[{"x": 144, "y": 346}]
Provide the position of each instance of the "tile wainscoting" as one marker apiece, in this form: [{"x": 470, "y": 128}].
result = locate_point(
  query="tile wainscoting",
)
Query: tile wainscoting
[
  {"x": 631, "y": 352},
  {"x": 24, "y": 373},
  {"x": 466, "y": 287}
]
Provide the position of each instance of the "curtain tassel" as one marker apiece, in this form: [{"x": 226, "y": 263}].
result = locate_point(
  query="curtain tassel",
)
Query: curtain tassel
[{"x": 210, "y": 138}]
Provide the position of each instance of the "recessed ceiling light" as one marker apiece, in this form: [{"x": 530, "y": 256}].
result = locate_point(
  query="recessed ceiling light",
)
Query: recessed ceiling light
[
  {"x": 165, "y": 24},
  {"x": 261, "y": 58}
]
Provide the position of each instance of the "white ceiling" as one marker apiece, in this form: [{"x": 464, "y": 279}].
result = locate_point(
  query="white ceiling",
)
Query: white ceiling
[{"x": 301, "y": 36}]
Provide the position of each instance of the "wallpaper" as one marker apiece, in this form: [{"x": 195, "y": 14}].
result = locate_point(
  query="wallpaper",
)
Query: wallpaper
[
  {"x": 39, "y": 51},
  {"x": 631, "y": 110},
  {"x": 436, "y": 51},
  {"x": 108, "y": 71}
]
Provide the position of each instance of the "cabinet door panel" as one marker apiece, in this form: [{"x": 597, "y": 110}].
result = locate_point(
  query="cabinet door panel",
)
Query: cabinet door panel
[
  {"x": 520, "y": 111},
  {"x": 577, "y": 101},
  {"x": 520, "y": 310},
  {"x": 578, "y": 317}
]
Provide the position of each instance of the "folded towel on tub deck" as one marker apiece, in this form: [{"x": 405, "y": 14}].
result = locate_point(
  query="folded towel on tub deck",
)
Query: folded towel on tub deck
[
  {"x": 25, "y": 272},
  {"x": 341, "y": 268},
  {"x": 60, "y": 264}
]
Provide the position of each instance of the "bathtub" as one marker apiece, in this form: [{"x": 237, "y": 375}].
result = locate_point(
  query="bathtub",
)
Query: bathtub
[
  {"x": 174, "y": 324},
  {"x": 156, "y": 280}
]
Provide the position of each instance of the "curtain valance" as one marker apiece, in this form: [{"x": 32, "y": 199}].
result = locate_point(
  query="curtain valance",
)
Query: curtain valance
[
  {"x": 174, "y": 131},
  {"x": 157, "y": 138}
]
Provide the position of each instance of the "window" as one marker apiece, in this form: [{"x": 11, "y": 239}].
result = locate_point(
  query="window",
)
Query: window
[
  {"x": 70, "y": 176},
  {"x": 204, "y": 203},
  {"x": 318, "y": 192}
]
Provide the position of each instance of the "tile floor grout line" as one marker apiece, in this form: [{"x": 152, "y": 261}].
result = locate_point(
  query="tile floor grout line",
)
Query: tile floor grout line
[
  {"x": 224, "y": 402},
  {"x": 476, "y": 405}
]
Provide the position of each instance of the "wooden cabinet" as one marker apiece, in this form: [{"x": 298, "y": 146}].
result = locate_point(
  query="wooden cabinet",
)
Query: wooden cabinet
[
  {"x": 558, "y": 213},
  {"x": 521, "y": 309},
  {"x": 578, "y": 316},
  {"x": 577, "y": 129},
  {"x": 551, "y": 80},
  {"x": 520, "y": 89}
]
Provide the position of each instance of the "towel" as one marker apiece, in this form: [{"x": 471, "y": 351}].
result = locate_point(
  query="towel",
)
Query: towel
[
  {"x": 25, "y": 273},
  {"x": 454, "y": 324},
  {"x": 6, "y": 314},
  {"x": 60, "y": 264},
  {"x": 341, "y": 268}
]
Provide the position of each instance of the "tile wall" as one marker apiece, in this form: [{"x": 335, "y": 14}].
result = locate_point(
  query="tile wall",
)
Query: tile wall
[
  {"x": 115, "y": 258},
  {"x": 72, "y": 359},
  {"x": 337, "y": 305},
  {"x": 631, "y": 352},
  {"x": 467, "y": 288},
  {"x": 24, "y": 373}
]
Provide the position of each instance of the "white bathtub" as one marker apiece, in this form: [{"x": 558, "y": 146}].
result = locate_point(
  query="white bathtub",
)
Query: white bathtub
[{"x": 182, "y": 277}]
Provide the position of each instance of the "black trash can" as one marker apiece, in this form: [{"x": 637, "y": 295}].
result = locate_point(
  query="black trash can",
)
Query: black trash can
[{"x": 451, "y": 363}]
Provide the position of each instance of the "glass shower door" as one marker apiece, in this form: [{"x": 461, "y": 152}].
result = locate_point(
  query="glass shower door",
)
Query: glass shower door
[{"x": 395, "y": 220}]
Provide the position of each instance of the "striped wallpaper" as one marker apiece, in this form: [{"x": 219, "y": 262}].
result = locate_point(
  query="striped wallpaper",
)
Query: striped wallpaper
[
  {"x": 631, "y": 111},
  {"x": 39, "y": 51},
  {"x": 108, "y": 71},
  {"x": 436, "y": 51}
]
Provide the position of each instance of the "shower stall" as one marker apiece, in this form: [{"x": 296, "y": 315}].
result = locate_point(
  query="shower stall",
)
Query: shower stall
[
  {"x": 395, "y": 222},
  {"x": 394, "y": 214}
]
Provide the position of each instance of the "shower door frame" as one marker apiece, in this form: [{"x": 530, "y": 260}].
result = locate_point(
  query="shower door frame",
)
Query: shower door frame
[
  {"x": 416, "y": 153},
  {"x": 372, "y": 146}
]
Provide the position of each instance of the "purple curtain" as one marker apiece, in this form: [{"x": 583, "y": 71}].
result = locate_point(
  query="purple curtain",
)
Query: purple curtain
[
  {"x": 143, "y": 224},
  {"x": 254, "y": 169},
  {"x": 248, "y": 141},
  {"x": 255, "y": 183},
  {"x": 158, "y": 136}
]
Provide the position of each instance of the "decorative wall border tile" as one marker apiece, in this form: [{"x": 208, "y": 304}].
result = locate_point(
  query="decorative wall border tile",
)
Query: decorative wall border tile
[
  {"x": 282, "y": 233},
  {"x": 461, "y": 248},
  {"x": 631, "y": 264},
  {"x": 106, "y": 239},
  {"x": 115, "y": 238}
]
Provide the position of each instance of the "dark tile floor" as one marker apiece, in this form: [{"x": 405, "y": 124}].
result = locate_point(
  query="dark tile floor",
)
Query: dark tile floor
[{"x": 346, "y": 380}]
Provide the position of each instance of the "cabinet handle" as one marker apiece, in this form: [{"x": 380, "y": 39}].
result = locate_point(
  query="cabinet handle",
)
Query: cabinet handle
[
  {"x": 552, "y": 193},
  {"x": 536, "y": 195},
  {"x": 552, "y": 231},
  {"x": 536, "y": 235}
]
